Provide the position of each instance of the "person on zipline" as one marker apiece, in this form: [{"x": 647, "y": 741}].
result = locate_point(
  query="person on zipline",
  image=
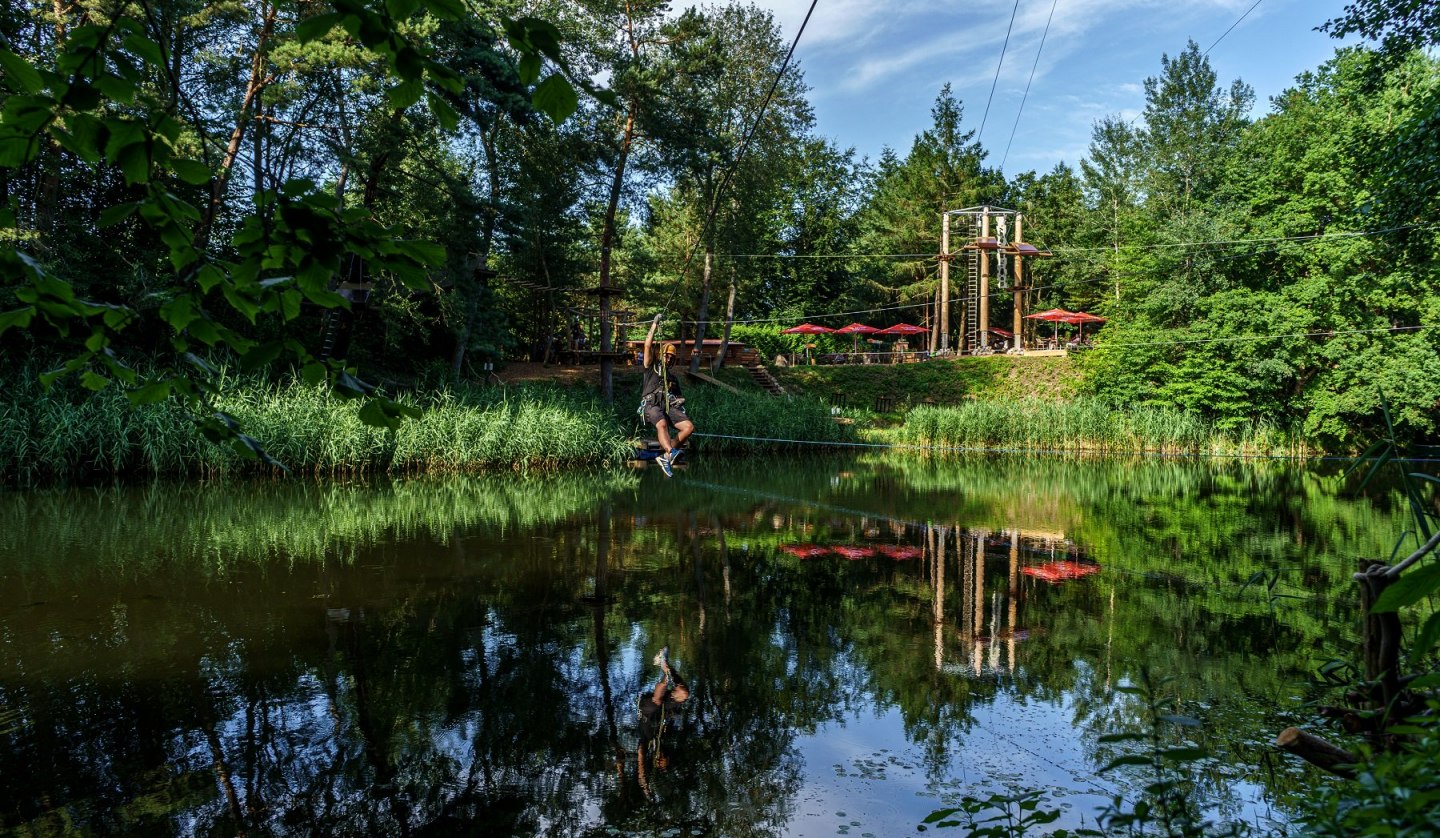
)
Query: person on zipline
[{"x": 661, "y": 402}]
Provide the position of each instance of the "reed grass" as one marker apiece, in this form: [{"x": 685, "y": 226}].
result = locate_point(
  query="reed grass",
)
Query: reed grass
[
  {"x": 775, "y": 422},
  {"x": 1087, "y": 425},
  {"x": 67, "y": 435}
]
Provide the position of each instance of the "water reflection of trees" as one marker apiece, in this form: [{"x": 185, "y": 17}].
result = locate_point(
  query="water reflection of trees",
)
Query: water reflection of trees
[{"x": 470, "y": 666}]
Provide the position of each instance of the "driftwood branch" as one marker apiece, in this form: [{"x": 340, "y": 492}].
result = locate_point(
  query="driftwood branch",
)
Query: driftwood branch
[{"x": 1316, "y": 751}]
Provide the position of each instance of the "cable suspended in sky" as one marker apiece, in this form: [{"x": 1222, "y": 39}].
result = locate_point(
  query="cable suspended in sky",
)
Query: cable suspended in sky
[
  {"x": 1003, "y": 47},
  {"x": 1006, "y": 155}
]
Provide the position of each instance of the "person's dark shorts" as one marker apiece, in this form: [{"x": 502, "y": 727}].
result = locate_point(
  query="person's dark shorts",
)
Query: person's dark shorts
[{"x": 676, "y": 414}]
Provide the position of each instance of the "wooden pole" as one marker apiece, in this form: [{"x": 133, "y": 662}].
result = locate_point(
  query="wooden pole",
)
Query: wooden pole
[
  {"x": 944, "y": 324},
  {"x": 1019, "y": 277},
  {"x": 984, "y": 280}
]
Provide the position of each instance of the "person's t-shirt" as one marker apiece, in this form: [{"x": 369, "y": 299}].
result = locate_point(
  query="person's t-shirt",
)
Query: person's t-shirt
[{"x": 652, "y": 380}]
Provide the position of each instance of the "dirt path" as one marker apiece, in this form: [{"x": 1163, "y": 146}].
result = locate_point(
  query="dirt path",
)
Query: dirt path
[{"x": 515, "y": 371}]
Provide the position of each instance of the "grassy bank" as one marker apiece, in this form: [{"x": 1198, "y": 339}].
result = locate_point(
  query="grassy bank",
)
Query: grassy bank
[
  {"x": 938, "y": 382},
  {"x": 64, "y": 435},
  {"x": 1085, "y": 425}
]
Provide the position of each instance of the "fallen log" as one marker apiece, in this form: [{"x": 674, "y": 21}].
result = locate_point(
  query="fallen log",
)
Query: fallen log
[{"x": 1318, "y": 752}]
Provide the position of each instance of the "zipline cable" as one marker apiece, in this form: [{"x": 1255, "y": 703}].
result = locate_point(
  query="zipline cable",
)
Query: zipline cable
[
  {"x": 740, "y": 154},
  {"x": 1006, "y": 155},
  {"x": 1231, "y": 29},
  {"x": 1003, "y": 47}
]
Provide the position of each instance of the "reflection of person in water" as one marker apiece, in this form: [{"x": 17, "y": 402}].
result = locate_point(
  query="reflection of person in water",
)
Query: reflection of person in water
[{"x": 657, "y": 707}]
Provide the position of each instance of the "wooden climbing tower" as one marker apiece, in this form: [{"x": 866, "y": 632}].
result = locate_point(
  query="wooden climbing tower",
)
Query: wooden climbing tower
[{"x": 994, "y": 252}]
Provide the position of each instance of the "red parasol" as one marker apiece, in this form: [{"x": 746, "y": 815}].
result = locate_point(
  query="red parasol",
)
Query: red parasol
[
  {"x": 1080, "y": 318},
  {"x": 807, "y": 329},
  {"x": 1054, "y": 315},
  {"x": 903, "y": 329},
  {"x": 855, "y": 330}
]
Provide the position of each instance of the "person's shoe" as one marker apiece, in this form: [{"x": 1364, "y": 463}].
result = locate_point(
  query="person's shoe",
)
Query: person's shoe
[
  {"x": 662, "y": 657},
  {"x": 675, "y": 454},
  {"x": 664, "y": 461}
]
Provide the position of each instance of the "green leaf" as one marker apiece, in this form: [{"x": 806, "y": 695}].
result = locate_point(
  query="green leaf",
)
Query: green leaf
[
  {"x": 1429, "y": 633},
  {"x": 290, "y": 304},
  {"x": 1412, "y": 586},
  {"x": 200, "y": 364},
  {"x": 446, "y": 115},
  {"x": 144, "y": 49},
  {"x": 401, "y": 9},
  {"x": 191, "y": 171},
  {"x": 313, "y": 373},
  {"x": 117, "y": 89},
  {"x": 20, "y": 74},
  {"x": 1121, "y": 737},
  {"x": 1184, "y": 754},
  {"x": 110, "y": 216},
  {"x": 134, "y": 162},
  {"x": 261, "y": 355},
  {"x": 1135, "y": 759},
  {"x": 405, "y": 94},
  {"x": 449, "y": 9},
  {"x": 18, "y": 319},
  {"x": 556, "y": 98},
  {"x": 94, "y": 381},
  {"x": 529, "y": 68},
  {"x": 151, "y": 393},
  {"x": 351, "y": 387},
  {"x": 316, "y": 27},
  {"x": 941, "y": 814}
]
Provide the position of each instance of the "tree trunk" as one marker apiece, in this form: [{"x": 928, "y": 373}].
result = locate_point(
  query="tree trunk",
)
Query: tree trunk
[
  {"x": 607, "y": 240},
  {"x": 253, "y": 88},
  {"x": 700, "y": 317},
  {"x": 480, "y": 275},
  {"x": 729, "y": 322}
]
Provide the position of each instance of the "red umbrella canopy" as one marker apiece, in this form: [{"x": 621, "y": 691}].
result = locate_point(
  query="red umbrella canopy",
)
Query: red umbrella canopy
[
  {"x": 1084, "y": 317},
  {"x": 856, "y": 329},
  {"x": 1054, "y": 315},
  {"x": 807, "y": 329},
  {"x": 903, "y": 329}
]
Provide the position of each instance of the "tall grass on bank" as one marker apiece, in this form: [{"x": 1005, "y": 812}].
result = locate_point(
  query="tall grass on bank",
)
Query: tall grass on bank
[
  {"x": 720, "y": 413},
  {"x": 64, "y": 434},
  {"x": 1086, "y": 425}
]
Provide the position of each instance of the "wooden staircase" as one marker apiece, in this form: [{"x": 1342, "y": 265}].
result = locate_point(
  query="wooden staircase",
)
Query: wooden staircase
[{"x": 760, "y": 373}]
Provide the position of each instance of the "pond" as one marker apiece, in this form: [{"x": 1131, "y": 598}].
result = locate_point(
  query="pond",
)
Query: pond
[{"x": 865, "y": 641}]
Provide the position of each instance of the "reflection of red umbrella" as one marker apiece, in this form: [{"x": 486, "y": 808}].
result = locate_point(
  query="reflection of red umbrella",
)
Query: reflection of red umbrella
[
  {"x": 1057, "y": 572},
  {"x": 901, "y": 552},
  {"x": 855, "y": 330},
  {"x": 852, "y": 552},
  {"x": 804, "y": 551}
]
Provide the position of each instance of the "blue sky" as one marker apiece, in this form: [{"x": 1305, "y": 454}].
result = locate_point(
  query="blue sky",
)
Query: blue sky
[{"x": 875, "y": 66}]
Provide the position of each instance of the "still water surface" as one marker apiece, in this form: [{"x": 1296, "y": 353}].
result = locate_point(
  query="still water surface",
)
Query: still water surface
[{"x": 865, "y": 641}]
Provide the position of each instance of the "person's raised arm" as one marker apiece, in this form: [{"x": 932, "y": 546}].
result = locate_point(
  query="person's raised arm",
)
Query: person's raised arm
[{"x": 650, "y": 341}]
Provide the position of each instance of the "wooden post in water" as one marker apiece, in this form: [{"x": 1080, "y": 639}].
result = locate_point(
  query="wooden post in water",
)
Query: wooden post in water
[{"x": 1013, "y": 595}]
